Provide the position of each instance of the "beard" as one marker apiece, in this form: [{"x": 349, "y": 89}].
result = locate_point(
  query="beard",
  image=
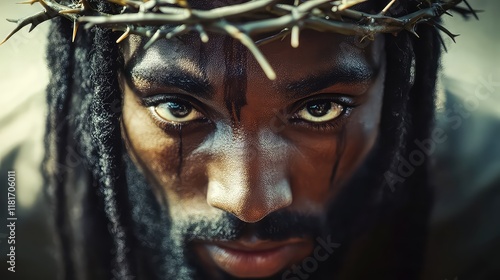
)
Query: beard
[{"x": 165, "y": 246}]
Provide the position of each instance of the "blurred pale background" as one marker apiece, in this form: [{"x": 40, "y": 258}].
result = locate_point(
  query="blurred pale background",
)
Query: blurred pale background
[{"x": 23, "y": 77}]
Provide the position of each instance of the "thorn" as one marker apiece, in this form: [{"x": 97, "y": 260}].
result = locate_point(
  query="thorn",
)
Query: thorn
[
  {"x": 442, "y": 42},
  {"x": 369, "y": 36},
  {"x": 124, "y": 35},
  {"x": 31, "y": 2},
  {"x": 471, "y": 10},
  {"x": 442, "y": 28},
  {"x": 118, "y": 2},
  {"x": 76, "y": 24},
  {"x": 412, "y": 29},
  {"x": 203, "y": 34},
  {"x": 347, "y": 5},
  {"x": 34, "y": 20},
  {"x": 86, "y": 5},
  {"x": 177, "y": 31},
  {"x": 183, "y": 3},
  {"x": 153, "y": 39},
  {"x": 89, "y": 25},
  {"x": 387, "y": 7},
  {"x": 32, "y": 27},
  {"x": 252, "y": 47},
  {"x": 295, "y": 36},
  {"x": 11, "y": 33}
]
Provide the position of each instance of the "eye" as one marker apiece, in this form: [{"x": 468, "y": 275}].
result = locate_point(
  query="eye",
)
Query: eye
[
  {"x": 177, "y": 112},
  {"x": 318, "y": 111}
]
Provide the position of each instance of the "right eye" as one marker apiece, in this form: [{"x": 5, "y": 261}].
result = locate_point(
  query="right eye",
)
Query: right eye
[
  {"x": 320, "y": 111},
  {"x": 177, "y": 112}
]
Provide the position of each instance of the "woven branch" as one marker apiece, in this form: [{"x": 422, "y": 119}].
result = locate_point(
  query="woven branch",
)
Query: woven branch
[{"x": 157, "y": 19}]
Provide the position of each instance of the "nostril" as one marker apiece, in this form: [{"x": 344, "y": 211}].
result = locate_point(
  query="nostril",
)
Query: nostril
[
  {"x": 245, "y": 214},
  {"x": 251, "y": 216},
  {"x": 249, "y": 204}
]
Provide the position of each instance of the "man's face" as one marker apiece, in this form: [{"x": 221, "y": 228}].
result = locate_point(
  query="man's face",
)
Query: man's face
[{"x": 216, "y": 138}]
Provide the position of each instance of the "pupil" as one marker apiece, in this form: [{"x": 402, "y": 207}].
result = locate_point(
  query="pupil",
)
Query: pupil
[
  {"x": 319, "y": 109},
  {"x": 179, "y": 110}
]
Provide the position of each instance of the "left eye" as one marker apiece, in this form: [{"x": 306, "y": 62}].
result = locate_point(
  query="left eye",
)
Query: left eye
[
  {"x": 177, "y": 112},
  {"x": 320, "y": 111}
]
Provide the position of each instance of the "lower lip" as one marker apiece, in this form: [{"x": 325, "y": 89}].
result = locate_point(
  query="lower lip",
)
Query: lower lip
[{"x": 242, "y": 263}]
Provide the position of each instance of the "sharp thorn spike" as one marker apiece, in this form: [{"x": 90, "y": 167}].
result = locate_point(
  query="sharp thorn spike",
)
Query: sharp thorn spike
[
  {"x": 124, "y": 35},
  {"x": 10, "y": 35},
  {"x": 118, "y": 2},
  {"x": 442, "y": 28},
  {"x": 442, "y": 42},
  {"x": 387, "y": 7},
  {"x": 294, "y": 41},
  {"x": 252, "y": 47},
  {"x": 153, "y": 39},
  {"x": 347, "y": 5},
  {"x": 89, "y": 25},
  {"x": 86, "y": 5},
  {"x": 471, "y": 9},
  {"x": 31, "y": 2},
  {"x": 203, "y": 34},
  {"x": 412, "y": 31},
  {"x": 76, "y": 24}
]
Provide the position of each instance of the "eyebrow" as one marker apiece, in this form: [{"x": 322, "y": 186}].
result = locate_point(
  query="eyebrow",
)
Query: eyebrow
[
  {"x": 347, "y": 75},
  {"x": 145, "y": 79}
]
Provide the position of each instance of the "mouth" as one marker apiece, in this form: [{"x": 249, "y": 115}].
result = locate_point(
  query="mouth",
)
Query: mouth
[{"x": 256, "y": 258}]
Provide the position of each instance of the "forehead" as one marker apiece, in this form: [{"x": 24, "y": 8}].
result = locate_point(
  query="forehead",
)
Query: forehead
[{"x": 317, "y": 53}]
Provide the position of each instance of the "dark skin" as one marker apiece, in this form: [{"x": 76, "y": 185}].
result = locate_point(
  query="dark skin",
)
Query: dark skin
[{"x": 213, "y": 135}]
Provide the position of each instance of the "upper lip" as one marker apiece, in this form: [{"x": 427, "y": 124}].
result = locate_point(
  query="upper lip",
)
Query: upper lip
[{"x": 256, "y": 245}]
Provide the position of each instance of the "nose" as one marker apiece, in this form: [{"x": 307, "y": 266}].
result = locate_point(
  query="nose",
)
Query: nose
[{"x": 249, "y": 182}]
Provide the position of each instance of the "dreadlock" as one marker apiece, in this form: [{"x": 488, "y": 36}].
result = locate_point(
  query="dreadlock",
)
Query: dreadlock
[
  {"x": 389, "y": 237},
  {"x": 83, "y": 97},
  {"x": 92, "y": 215}
]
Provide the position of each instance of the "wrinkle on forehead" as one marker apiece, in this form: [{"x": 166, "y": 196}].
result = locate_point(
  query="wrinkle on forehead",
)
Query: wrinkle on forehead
[{"x": 160, "y": 57}]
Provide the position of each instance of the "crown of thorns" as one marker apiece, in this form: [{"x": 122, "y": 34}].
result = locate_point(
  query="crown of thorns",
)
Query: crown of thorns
[{"x": 156, "y": 19}]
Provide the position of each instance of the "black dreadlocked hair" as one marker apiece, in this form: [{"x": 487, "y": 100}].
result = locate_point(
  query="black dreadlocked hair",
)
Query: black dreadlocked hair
[
  {"x": 91, "y": 212},
  {"x": 82, "y": 95}
]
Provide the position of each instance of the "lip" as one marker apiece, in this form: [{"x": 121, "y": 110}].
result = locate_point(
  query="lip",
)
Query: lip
[{"x": 256, "y": 259}]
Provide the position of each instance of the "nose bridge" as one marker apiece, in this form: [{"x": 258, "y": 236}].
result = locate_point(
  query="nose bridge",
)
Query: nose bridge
[{"x": 248, "y": 178}]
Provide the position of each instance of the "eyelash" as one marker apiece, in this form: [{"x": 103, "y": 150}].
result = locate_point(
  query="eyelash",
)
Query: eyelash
[
  {"x": 152, "y": 101},
  {"x": 328, "y": 126},
  {"x": 348, "y": 105}
]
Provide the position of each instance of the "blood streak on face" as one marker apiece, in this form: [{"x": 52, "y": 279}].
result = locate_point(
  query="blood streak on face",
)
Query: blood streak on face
[{"x": 199, "y": 123}]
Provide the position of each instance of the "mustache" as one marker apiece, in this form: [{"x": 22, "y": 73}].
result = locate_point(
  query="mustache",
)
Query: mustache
[{"x": 277, "y": 226}]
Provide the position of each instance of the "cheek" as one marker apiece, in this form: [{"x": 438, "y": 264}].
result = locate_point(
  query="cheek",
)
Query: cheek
[
  {"x": 166, "y": 159},
  {"x": 146, "y": 144},
  {"x": 322, "y": 163}
]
